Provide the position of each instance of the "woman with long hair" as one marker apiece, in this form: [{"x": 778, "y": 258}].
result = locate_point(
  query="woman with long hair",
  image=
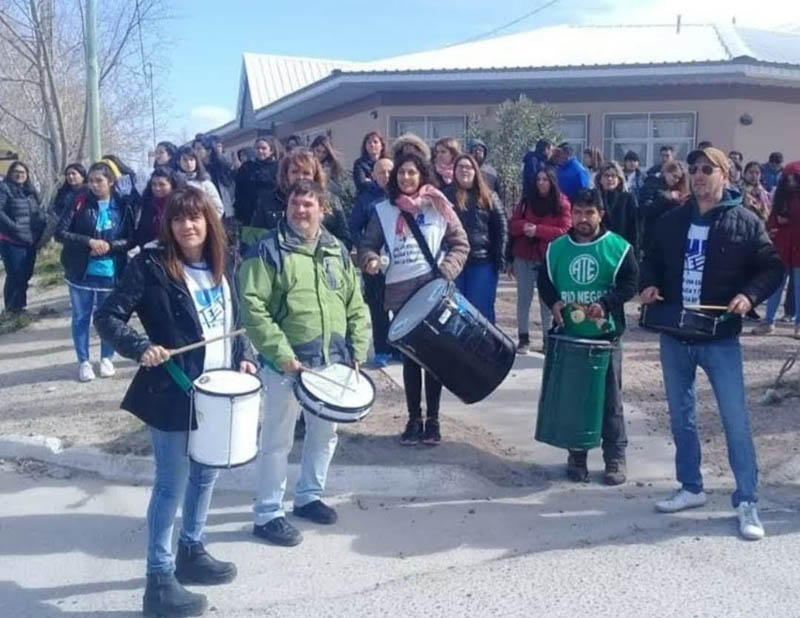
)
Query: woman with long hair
[
  {"x": 412, "y": 189},
  {"x": 257, "y": 178},
  {"x": 754, "y": 195},
  {"x": 183, "y": 291},
  {"x": 445, "y": 152},
  {"x": 219, "y": 170},
  {"x": 22, "y": 223},
  {"x": 542, "y": 215},
  {"x": 673, "y": 191},
  {"x": 192, "y": 171},
  {"x": 165, "y": 155},
  {"x": 484, "y": 220},
  {"x": 373, "y": 147},
  {"x": 330, "y": 159},
  {"x": 163, "y": 181},
  {"x": 621, "y": 210},
  {"x": 96, "y": 232},
  {"x": 74, "y": 180},
  {"x": 592, "y": 160}
]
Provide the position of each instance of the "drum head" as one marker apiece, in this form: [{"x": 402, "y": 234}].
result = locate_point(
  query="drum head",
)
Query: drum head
[
  {"x": 226, "y": 382},
  {"x": 417, "y": 308},
  {"x": 351, "y": 395}
]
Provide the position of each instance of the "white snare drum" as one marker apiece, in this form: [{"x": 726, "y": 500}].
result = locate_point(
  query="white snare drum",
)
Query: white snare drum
[
  {"x": 227, "y": 405},
  {"x": 346, "y": 402}
]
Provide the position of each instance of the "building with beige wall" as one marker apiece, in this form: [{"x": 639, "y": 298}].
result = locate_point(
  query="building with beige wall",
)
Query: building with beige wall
[{"x": 617, "y": 87}]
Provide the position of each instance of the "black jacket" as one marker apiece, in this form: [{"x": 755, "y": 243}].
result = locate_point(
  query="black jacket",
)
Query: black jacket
[
  {"x": 487, "y": 229},
  {"x": 169, "y": 318},
  {"x": 622, "y": 216},
  {"x": 362, "y": 173},
  {"x": 613, "y": 301},
  {"x": 740, "y": 258},
  {"x": 660, "y": 204},
  {"x": 255, "y": 181},
  {"x": 64, "y": 198},
  {"x": 77, "y": 226},
  {"x": 21, "y": 217}
]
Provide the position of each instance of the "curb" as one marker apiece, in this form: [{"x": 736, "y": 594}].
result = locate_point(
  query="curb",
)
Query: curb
[{"x": 391, "y": 481}]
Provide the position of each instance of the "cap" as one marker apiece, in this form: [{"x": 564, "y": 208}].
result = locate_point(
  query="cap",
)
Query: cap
[{"x": 715, "y": 155}]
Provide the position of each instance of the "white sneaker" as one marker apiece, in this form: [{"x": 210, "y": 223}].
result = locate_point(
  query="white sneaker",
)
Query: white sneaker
[
  {"x": 106, "y": 368},
  {"x": 749, "y": 524},
  {"x": 85, "y": 372},
  {"x": 680, "y": 501}
]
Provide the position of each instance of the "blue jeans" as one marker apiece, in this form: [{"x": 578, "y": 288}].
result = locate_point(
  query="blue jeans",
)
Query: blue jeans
[
  {"x": 173, "y": 469},
  {"x": 478, "y": 283},
  {"x": 277, "y": 438},
  {"x": 18, "y": 260},
  {"x": 722, "y": 362},
  {"x": 83, "y": 301},
  {"x": 775, "y": 300}
]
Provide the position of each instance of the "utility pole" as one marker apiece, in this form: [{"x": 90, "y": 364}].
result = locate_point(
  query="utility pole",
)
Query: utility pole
[{"x": 92, "y": 81}]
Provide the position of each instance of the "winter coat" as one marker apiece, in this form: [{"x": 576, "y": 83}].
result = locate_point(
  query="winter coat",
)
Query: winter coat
[
  {"x": 64, "y": 198},
  {"x": 363, "y": 207},
  {"x": 207, "y": 187},
  {"x": 786, "y": 233},
  {"x": 302, "y": 303},
  {"x": 740, "y": 258},
  {"x": 622, "y": 216},
  {"x": 255, "y": 180},
  {"x": 661, "y": 203},
  {"x": 22, "y": 220},
  {"x": 167, "y": 313},
  {"x": 770, "y": 177},
  {"x": 77, "y": 227},
  {"x": 362, "y": 173},
  {"x": 486, "y": 228},
  {"x": 146, "y": 226},
  {"x": 548, "y": 228},
  {"x": 572, "y": 177}
]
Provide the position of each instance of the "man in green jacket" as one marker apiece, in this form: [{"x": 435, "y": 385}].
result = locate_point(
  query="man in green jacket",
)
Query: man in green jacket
[{"x": 302, "y": 307}]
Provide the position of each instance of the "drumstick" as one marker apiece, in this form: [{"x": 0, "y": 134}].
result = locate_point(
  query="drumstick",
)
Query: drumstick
[
  {"x": 204, "y": 342},
  {"x": 322, "y": 376},
  {"x": 707, "y": 307}
]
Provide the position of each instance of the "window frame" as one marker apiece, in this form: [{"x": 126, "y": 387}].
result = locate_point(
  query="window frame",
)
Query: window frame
[
  {"x": 651, "y": 153},
  {"x": 426, "y": 118},
  {"x": 585, "y": 140}
]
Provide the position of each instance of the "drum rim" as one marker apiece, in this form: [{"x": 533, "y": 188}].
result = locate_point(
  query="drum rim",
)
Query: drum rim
[
  {"x": 226, "y": 466},
  {"x": 354, "y": 419},
  {"x": 200, "y": 389},
  {"x": 298, "y": 385},
  {"x": 448, "y": 286}
]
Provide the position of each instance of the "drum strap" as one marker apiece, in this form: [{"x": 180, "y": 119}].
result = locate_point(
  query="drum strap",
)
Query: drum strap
[{"x": 423, "y": 244}]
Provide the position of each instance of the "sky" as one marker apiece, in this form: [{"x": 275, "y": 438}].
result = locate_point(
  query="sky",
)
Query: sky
[{"x": 203, "y": 80}]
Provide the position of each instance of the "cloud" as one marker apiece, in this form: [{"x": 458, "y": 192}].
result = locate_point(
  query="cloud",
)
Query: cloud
[{"x": 206, "y": 117}]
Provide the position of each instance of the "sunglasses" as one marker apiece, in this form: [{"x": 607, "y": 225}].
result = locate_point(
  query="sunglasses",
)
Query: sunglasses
[{"x": 706, "y": 169}]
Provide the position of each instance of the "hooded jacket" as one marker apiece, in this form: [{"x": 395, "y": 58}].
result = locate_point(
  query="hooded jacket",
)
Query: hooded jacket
[
  {"x": 786, "y": 231},
  {"x": 572, "y": 177}
]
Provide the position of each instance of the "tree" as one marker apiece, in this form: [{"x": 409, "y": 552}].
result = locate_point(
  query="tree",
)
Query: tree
[
  {"x": 42, "y": 70},
  {"x": 516, "y": 128}
]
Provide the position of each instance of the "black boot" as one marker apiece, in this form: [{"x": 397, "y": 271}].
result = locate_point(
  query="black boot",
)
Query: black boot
[
  {"x": 576, "y": 467},
  {"x": 194, "y": 565},
  {"x": 164, "y": 597}
]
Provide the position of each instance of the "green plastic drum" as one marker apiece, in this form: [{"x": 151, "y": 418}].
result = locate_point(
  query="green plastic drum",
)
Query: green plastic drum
[{"x": 573, "y": 392}]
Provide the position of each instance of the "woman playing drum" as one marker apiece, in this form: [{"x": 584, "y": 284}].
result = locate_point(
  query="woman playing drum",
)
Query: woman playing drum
[
  {"x": 183, "y": 291},
  {"x": 412, "y": 190}
]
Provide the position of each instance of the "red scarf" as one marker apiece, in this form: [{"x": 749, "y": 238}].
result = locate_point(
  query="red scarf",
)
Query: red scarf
[
  {"x": 445, "y": 170},
  {"x": 428, "y": 195}
]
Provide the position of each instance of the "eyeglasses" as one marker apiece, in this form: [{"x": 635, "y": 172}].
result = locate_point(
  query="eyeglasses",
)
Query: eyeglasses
[{"x": 706, "y": 169}]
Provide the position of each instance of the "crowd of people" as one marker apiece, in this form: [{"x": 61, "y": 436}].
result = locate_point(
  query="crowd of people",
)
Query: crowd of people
[{"x": 264, "y": 242}]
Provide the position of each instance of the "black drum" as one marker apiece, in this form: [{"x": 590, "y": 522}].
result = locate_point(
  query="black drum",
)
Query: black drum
[
  {"x": 687, "y": 323},
  {"x": 439, "y": 329}
]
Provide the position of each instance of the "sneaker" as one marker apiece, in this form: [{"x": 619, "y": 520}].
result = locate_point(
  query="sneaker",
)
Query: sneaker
[
  {"x": 381, "y": 360},
  {"x": 85, "y": 372},
  {"x": 576, "y": 467},
  {"x": 789, "y": 319},
  {"x": 765, "y": 328},
  {"x": 523, "y": 346},
  {"x": 164, "y": 597},
  {"x": 316, "y": 511},
  {"x": 680, "y": 501},
  {"x": 279, "y": 532},
  {"x": 413, "y": 433},
  {"x": 194, "y": 565},
  {"x": 432, "y": 436},
  {"x": 106, "y": 368},
  {"x": 749, "y": 524},
  {"x": 615, "y": 472}
]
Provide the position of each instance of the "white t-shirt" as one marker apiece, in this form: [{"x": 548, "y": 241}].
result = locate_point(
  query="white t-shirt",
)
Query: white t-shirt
[
  {"x": 214, "y": 311},
  {"x": 694, "y": 261}
]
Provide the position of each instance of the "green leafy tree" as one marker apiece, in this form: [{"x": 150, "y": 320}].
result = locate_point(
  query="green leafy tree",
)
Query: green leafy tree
[{"x": 517, "y": 126}]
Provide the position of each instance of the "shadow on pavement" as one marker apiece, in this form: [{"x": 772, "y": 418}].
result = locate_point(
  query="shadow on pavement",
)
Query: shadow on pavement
[{"x": 32, "y": 602}]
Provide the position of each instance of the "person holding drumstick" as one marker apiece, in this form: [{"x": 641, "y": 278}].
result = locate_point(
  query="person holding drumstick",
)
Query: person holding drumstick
[
  {"x": 302, "y": 308},
  {"x": 412, "y": 191},
  {"x": 710, "y": 252},
  {"x": 183, "y": 290}
]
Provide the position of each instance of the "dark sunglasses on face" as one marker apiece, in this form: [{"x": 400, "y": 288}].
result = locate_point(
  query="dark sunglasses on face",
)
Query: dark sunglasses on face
[{"x": 706, "y": 169}]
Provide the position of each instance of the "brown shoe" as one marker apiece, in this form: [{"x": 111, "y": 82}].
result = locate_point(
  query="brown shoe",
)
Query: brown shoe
[{"x": 615, "y": 472}]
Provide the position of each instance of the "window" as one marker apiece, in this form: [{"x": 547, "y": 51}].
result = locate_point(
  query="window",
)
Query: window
[
  {"x": 574, "y": 131},
  {"x": 429, "y": 128},
  {"x": 645, "y": 134}
]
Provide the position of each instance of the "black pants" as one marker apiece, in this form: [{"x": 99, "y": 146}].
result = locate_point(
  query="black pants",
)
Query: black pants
[
  {"x": 374, "y": 286},
  {"x": 412, "y": 382},
  {"x": 18, "y": 261},
  {"x": 615, "y": 439}
]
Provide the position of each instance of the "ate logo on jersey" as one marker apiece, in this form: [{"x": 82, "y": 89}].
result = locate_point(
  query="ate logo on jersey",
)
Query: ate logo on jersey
[{"x": 584, "y": 269}]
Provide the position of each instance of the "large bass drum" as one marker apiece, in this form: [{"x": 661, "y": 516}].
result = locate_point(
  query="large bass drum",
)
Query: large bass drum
[{"x": 439, "y": 329}]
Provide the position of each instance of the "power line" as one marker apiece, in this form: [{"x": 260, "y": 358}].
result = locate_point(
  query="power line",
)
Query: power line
[{"x": 513, "y": 22}]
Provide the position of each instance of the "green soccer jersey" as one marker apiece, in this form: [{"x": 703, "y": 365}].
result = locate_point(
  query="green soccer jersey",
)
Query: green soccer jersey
[{"x": 581, "y": 274}]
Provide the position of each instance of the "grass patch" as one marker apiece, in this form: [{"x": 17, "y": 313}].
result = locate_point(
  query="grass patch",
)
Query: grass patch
[{"x": 48, "y": 270}]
